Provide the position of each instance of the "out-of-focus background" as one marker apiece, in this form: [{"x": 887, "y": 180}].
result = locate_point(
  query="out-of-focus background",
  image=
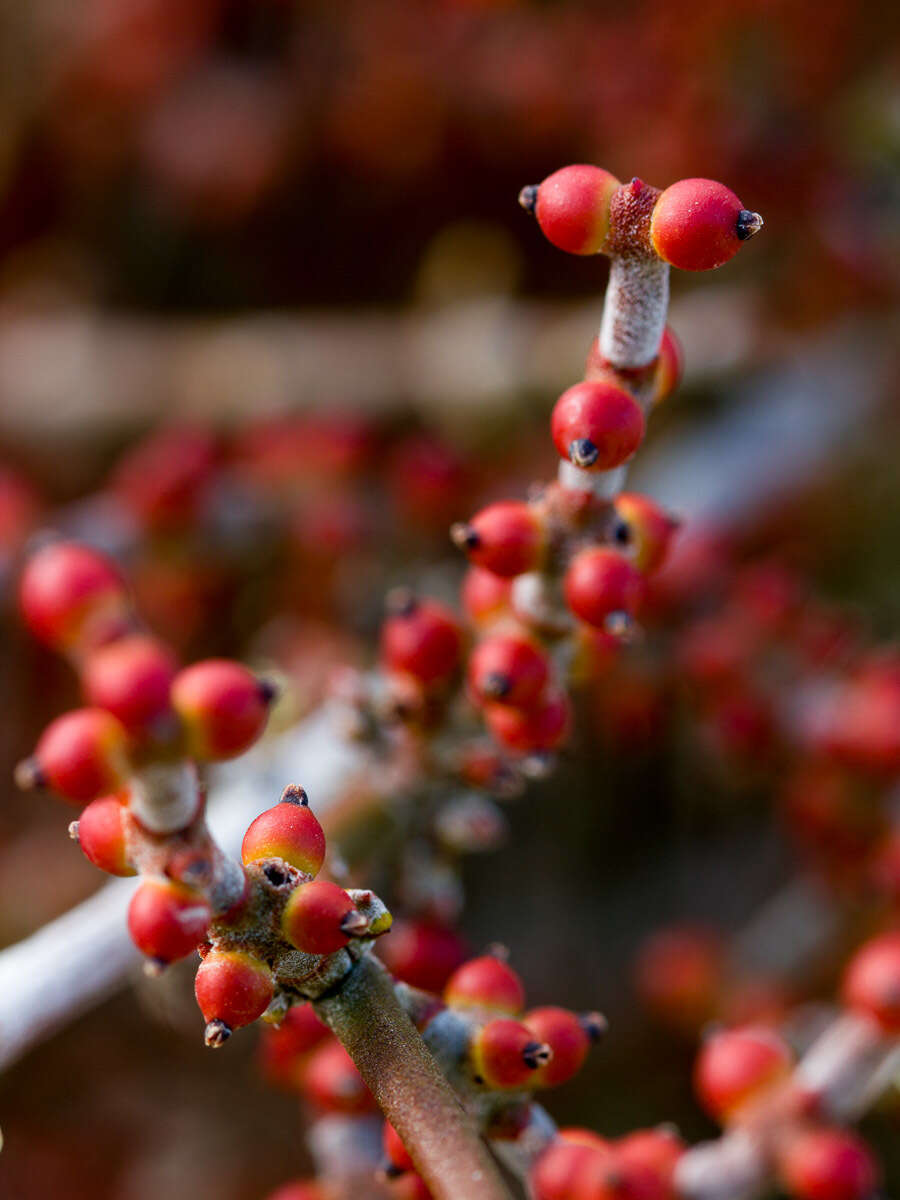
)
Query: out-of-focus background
[{"x": 271, "y": 318}]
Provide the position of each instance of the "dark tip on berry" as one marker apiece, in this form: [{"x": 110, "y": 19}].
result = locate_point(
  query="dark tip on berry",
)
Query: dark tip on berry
[
  {"x": 464, "y": 536},
  {"x": 478, "y": 1078},
  {"x": 621, "y": 533},
  {"x": 268, "y": 690},
  {"x": 594, "y": 1024},
  {"x": 536, "y": 1054},
  {"x": 216, "y": 1034},
  {"x": 293, "y": 794},
  {"x": 498, "y": 950},
  {"x": 496, "y": 685},
  {"x": 748, "y": 224},
  {"x": 401, "y": 602},
  {"x": 73, "y": 830},
  {"x": 528, "y": 198},
  {"x": 29, "y": 776},
  {"x": 354, "y": 924},
  {"x": 275, "y": 875},
  {"x": 583, "y": 452},
  {"x": 391, "y": 1171},
  {"x": 154, "y": 967}
]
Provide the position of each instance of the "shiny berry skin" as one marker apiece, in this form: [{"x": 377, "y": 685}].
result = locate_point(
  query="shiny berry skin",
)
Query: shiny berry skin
[
  {"x": 289, "y": 831},
  {"x": 284, "y": 1051},
  {"x": 537, "y": 730},
  {"x": 423, "y": 954},
  {"x": 395, "y": 1153},
  {"x": 485, "y": 982},
  {"x": 485, "y": 596},
  {"x": 736, "y": 1066},
  {"x": 505, "y": 538},
  {"x": 102, "y": 835},
  {"x": 332, "y": 1082},
  {"x": 421, "y": 638},
  {"x": 131, "y": 678},
  {"x": 81, "y": 755},
  {"x": 572, "y": 207},
  {"x": 669, "y": 366},
  {"x": 828, "y": 1164},
  {"x": 233, "y": 987},
  {"x": 72, "y": 597},
  {"x": 508, "y": 669},
  {"x": 872, "y": 981},
  {"x": 566, "y": 1035},
  {"x": 643, "y": 530},
  {"x": 597, "y": 425},
  {"x": 505, "y": 1054},
  {"x": 600, "y": 582},
  {"x": 318, "y": 916},
  {"x": 223, "y": 708},
  {"x": 167, "y": 920},
  {"x": 698, "y": 224}
]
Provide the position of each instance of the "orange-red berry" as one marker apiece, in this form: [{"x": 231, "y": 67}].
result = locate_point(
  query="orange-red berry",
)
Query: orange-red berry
[
  {"x": 233, "y": 987},
  {"x": 81, "y": 755},
  {"x": 536, "y": 730},
  {"x": 284, "y": 1051},
  {"x": 167, "y": 920},
  {"x": 698, "y": 224},
  {"x": 568, "y": 1168},
  {"x": 486, "y": 982},
  {"x": 508, "y": 669},
  {"x": 332, "y": 1082},
  {"x": 102, "y": 835},
  {"x": 484, "y": 595},
  {"x": 290, "y": 831},
  {"x": 223, "y": 708},
  {"x": 72, "y": 597},
  {"x": 669, "y": 366},
  {"x": 568, "y": 1036},
  {"x": 131, "y": 678},
  {"x": 597, "y": 425},
  {"x": 572, "y": 207},
  {"x": 600, "y": 582},
  {"x": 421, "y": 638},
  {"x": 737, "y": 1065},
  {"x": 505, "y": 1054},
  {"x": 319, "y": 917},
  {"x": 506, "y": 538},
  {"x": 678, "y": 975},
  {"x": 656, "y": 1150},
  {"x": 872, "y": 981},
  {"x": 828, "y": 1164},
  {"x": 643, "y": 530}
]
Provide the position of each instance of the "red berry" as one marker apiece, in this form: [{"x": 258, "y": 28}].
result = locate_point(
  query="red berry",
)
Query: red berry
[
  {"x": 678, "y": 975},
  {"x": 872, "y": 981},
  {"x": 669, "y": 366},
  {"x": 828, "y": 1164},
  {"x": 485, "y": 596},
  {"x": 486, "y": 982},
  {"x": 699, "y": 224},
  {"x": 572, "y": 207},
  {"x": 600, "y": 582},
  {"x": 656, "y": 1150},
  {"x": 395, "y": 1153},
  {"x": 509, "y": 669},
  {"x": 163, "y": 479},
  {"x": 223, "y": 708},
  {"x": 332, "y": 1082},
  {"x": 102, "y": 835},
  {"x": 233, "y": 987},
  {"x": 167, "y": 920},
  {"x": 567, "y": 1169},
  {"x": 505, "y": 1054},
  {"x": 284, "y": 1051},
  {"x": 423, "y": 954},
  {"x": 131, "y": 678},
  {"x": 421, "y": 638},
  {"x": 643, "y": 530},
  {"x": 289, "y": 831},
  {"x": 319, "y": 917},
  {"x": 506, "y": 538},
  {"x": 73, "y": 597},
  {"x": 536, "y": 730},
  {"x": 81, "y": 755},
  {"x": 568, "y": 1036},
  {"x": 737, "y": 1065},
  {"x": 597, "y": 425}
]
